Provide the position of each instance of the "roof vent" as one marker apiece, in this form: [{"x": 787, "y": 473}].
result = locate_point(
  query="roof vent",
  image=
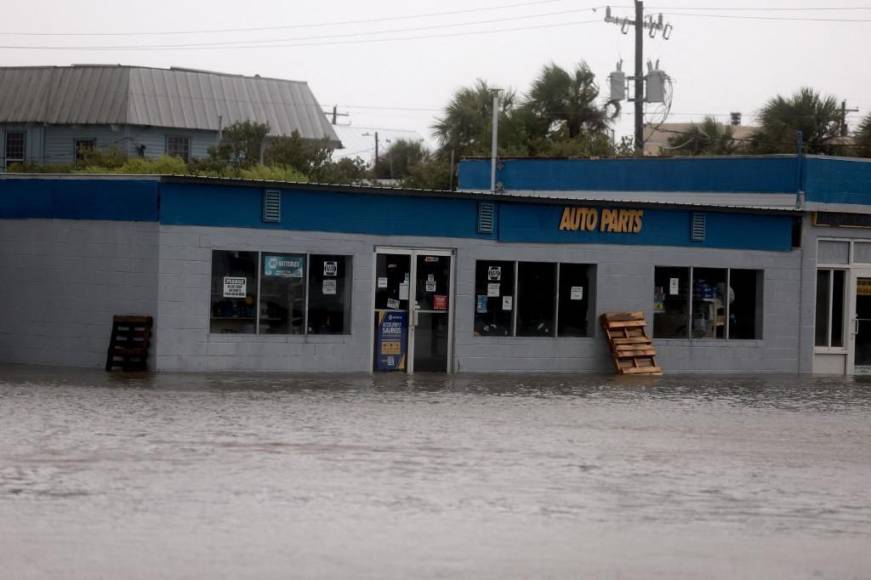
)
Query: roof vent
[
  {"x": 271, "y": 206},
  {"x": 486, "y": 217},
  {"x": 697, "y": 231}
]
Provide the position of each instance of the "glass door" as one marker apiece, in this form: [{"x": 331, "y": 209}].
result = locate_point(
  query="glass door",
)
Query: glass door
[
  {"x": 430, "y": 318},
  {"x": 412, "y": 321},
  {"x": 392, "y": 299},
  {"x": 861, "y": 331}
]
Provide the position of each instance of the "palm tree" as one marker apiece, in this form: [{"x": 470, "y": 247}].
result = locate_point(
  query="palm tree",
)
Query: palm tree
[
  {"x": 818, "y": 118},
  {"x": 709, "y": 138},
  {"x": 466, "y": 128},
  {"x": 564, "y": 103},
  {"x": 863, "y": 137}
]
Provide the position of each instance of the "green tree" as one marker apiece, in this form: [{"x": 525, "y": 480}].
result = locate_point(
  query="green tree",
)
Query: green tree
[
  {"x": 467, "y": 124},
  {"x": 343, "y": 171},
  {"x": 862, "y": 137},
  {"x": 241, "y": 144},
  {"x": 817, "y": 117},
  {"x": 304, "y": 155},
  {"x": 402, "y": 156},
  {"x": 708, "y": 138},
  {"x": 563, "y": 103}
]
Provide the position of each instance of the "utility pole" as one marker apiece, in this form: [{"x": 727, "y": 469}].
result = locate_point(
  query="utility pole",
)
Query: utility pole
[
  {"x": 653, "y": 25},
  {"x": 639, "y": 78},
  {"x": 844, "y": 110},
  {"x": 335, "y": 114},
  {"x": 494, "y": 150}
]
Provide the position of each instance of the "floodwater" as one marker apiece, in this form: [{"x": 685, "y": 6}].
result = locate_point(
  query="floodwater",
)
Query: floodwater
[{"x": 240, "y": 476}]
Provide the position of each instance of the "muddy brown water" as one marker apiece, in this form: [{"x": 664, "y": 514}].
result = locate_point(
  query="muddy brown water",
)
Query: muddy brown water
[{"x": 476, "y": 476}]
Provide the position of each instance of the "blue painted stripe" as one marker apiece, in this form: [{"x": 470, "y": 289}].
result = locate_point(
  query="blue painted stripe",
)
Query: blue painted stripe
[
  {"x": 77, "y": 199},
  {"x": 541, "y": 223},
  {"x": 709, "y": 175},
  {"x": 838, "y": 181},
  {"x": 326, "y": 211}
]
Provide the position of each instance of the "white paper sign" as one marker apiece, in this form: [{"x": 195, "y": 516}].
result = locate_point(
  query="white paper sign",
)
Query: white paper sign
[
  {"x": 673, "y": 286},
  {"x": 507, "y": 302},
  {"x": 382, "y": 282},
  {"x": 493, "y": 290},
  {"x": 494, "y": 273},
  {"x": 331, "y": 268},
  {"x": 392, "y": 303},
  {"x": 329, "y": 287},
  {"x": 235, "y": 287},
  {"x": 430, "y": 283},
  {"x": 577, "y": 293},
  {"x": 403, "y": 291}
]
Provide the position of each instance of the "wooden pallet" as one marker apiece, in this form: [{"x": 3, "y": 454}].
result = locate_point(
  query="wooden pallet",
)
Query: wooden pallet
[
  {"x": 130, "y": 342},
  {"x": 632, "y": 350}
]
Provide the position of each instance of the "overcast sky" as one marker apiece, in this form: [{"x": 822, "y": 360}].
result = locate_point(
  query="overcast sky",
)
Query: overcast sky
[{"x": 399, "y": 67}]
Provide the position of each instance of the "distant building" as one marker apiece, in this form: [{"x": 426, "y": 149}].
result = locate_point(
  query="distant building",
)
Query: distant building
[
  {"x": 656, "y": 139},
  {"x": 52, "y": 115}
]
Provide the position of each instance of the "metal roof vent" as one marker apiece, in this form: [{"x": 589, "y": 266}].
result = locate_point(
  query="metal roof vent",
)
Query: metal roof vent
[
  {"x": 486, "y": 217},
  {"x": 697, "y": 230},
  {"x": 271, "y": 206}
]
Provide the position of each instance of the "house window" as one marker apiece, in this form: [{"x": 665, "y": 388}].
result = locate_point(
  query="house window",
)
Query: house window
[
  {"x": 15, "y": 147},
  {"x": 551, "y": 299},
  {"x": 177, "y": 146},
  {"x": 298, "y": 293},
  {"x": 716, "y": 303},
  {"x": 829, "y": 328},
  {"x": 83, "y": 147}
]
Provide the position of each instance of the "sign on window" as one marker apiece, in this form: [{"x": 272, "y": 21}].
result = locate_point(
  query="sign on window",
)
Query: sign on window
[{"x": 235, "y": 287}]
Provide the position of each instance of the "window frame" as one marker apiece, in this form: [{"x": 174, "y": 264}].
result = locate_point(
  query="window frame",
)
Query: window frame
[
  {"x": 515, "y": 264},
  {"x": 760, "y": 333},
  {"x": 76, "y": 142},
  {"x": 7, "y": 160},
  {"x": 845, "y": 309},
  {"x": 187, "y": 139},
  {"x": 349, "y": 271}
]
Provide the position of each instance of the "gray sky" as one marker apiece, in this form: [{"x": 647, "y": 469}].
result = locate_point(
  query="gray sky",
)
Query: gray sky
[{"x": 718, "y": 64}]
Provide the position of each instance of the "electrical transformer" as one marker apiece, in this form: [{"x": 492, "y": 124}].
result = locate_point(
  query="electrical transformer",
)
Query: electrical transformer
[
  {"x": 618, "y": 85},
  {"x": 655, "y": 86}
]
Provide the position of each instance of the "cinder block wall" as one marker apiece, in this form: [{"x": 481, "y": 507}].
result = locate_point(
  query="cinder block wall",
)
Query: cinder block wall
[
  {"x": 624, "y": 278},
  {"x": 63, "y": 282}
]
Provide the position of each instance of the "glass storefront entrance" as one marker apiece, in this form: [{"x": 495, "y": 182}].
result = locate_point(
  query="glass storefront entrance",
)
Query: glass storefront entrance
[{"x": 412, "y": 317}]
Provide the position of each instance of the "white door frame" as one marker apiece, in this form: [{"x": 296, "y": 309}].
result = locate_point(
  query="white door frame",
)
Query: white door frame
[
  {"x": 852, "y": 319},
  {"x": 413, "y": 253}
]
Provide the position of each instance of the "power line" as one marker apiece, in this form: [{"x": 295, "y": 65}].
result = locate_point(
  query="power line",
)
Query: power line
[
  {"x": 269, "y": 42},
  {"x": 771, "y": 18},
  {"x": 755, "y": 9},
  {"x": 134, "y": 48},
  {"x": 291, "y": 26}
]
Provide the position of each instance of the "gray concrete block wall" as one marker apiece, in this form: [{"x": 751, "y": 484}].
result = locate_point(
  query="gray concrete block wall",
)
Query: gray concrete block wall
[
  {"x": 624, "y": 282},
  {"x": 64, "y": 280}
]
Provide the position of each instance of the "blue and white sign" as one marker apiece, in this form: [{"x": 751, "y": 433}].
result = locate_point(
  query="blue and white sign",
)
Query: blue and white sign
[
  {"x": 283, "y": 266},
  {"x": 391, "y": 341}
]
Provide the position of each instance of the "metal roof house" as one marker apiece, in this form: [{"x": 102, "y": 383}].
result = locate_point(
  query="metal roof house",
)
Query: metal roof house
[{"x": 49, "y": 115}]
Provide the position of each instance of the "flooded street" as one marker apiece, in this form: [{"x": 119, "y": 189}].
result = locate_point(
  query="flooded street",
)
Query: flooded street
[{"x": 231, "y": 476}]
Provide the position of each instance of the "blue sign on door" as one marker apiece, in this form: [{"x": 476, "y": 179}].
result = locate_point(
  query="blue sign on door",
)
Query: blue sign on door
[{"x": 391, "y": 340}]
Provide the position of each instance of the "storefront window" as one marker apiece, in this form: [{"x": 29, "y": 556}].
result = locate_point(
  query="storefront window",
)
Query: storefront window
[
  {"x": 536, "y": 292},
  {"x": 234, "y": 292},
  {"x": 829, "y": 330},
  {"x": 725, "y": 303},
  {"x": 494, "y": 298},
  {"x": 709, "y": 303},
  {"x": 745, "y": 296},
  {"x": 329, "y": 301},
  {"x": 671, "y": 302},
  {"x": 575, "y": 299},
  {"x": 282, "y": 293}
]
